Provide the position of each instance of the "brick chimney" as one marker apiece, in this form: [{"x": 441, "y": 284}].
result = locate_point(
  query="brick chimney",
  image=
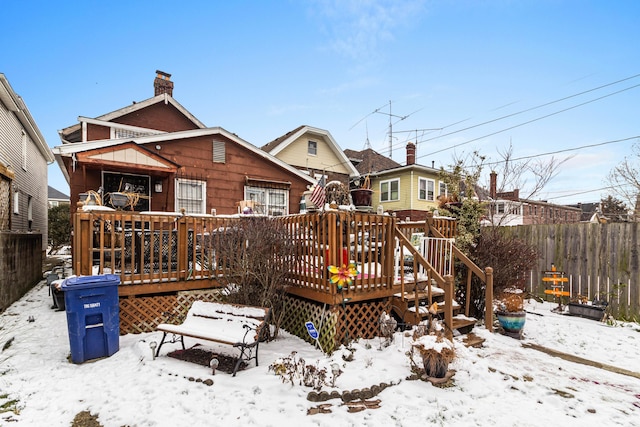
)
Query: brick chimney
[
  {"x": 162, "y": 83},
  {"x": 411, "y": 153},
  {"x": 493, "y": 184}
]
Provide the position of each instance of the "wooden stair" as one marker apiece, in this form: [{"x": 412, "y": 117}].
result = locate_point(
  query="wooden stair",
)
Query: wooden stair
[{"x": 405, "y": 312}]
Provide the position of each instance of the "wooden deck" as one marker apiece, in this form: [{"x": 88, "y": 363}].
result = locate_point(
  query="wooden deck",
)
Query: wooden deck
[{"x": 160, "y": 253}]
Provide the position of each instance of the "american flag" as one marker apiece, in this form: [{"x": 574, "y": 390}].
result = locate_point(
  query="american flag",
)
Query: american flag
[{"x": 318, "y": 196}]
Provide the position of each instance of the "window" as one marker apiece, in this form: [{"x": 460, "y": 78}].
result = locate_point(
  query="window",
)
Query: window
[
  {"x": 219, "y": 152},
  {"x": 312, "y": 148},
  {"x": 30, "y": 209},
  {"x": 390, "y": 190},
  {"x": 191, "y": 195},
  {"x": 426, "y": 189},
  {"x": 443, "y": 189},
  {"x": 118, "y": 133},
  {"x": 500, "y": 208},
  {"x": 128, "y": 183},
  {"x": 24, "y": 150},
  {"x": 269, "y": 201}
]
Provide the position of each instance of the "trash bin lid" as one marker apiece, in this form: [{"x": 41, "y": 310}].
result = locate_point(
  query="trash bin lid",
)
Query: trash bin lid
[{"x": 82, "y": 282}]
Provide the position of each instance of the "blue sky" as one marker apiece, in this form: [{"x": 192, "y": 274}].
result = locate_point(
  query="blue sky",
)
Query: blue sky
[{"x": 261, "y": 68}]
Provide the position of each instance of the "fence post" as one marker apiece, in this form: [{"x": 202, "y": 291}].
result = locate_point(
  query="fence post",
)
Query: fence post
[{"x": 488, "y": 308}]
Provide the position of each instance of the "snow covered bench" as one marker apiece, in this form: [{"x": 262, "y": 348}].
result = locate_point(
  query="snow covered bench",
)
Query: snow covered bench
[{"x": 240, "y": 326}]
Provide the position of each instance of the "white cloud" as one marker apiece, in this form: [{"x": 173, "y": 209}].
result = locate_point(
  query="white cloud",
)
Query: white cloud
[{"x": 357, "y": 28}]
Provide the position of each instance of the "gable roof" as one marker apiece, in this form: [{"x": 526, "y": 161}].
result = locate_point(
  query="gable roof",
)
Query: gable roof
[
  {"x": 69, "y": 150},
  {"x": 277, "y": 145},
  {"x": 53, "y": 194},
  {"x": 370, "y": 161},
  {"x": 128, "y": 153},
  {"x": 14, "y": 103},
  {"x": 66, "y": 133}
]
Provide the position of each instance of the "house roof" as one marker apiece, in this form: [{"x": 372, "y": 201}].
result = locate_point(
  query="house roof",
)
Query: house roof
[
  {"x": 277, "y": 145},
  {"x": 67, "y": 133},
  {"x": 15, "y": 104},
  {"x": 53, "y": 194},
  {"x": 70, "y": 150},
  {"x": 401, "y": 169},
  {"x": 370, "y": 161}
]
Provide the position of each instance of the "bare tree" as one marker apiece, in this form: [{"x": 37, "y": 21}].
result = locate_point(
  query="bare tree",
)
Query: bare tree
[
  {"x": 254, "y": 255},
  {"x": 624, "y": 179},
  {"x": 530, "y": 176}
]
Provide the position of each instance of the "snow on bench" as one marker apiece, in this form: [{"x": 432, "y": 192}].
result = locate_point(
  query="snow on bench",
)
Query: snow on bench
[{"x": 240, "y": 326}]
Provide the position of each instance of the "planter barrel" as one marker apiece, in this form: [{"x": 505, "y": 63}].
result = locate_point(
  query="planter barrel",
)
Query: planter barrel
[{"x": 512, "y": 322}]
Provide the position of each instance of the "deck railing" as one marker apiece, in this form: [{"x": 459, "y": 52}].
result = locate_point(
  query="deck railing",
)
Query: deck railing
[
  {"x": 167, "y": 252},
  {"x": 152, "y": 252},
  {"x": 339, "y": 238}
]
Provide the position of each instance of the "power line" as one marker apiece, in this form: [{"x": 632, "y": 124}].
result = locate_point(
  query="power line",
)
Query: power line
[
  {"x": 518, "y": 113},
  {"x": 564, "y": 151},
  {"x": 532, "y": 121},
  {"x": 580, "y": 192}
]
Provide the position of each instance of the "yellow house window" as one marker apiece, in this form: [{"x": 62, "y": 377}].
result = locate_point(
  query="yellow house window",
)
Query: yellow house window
[{"x": 390, "y": 190}]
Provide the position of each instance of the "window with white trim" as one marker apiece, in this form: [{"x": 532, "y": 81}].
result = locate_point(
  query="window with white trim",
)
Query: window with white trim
[
  {"x": 443, "y": 189},
  {"x": 312, "y": 148},
  {"x": 269, "y": 201},
  {"x": 191, "y": 195},
  {"x": 24, "y": 150},
  {"x": 426, "y": 189},
  {"x": 390, "y": 190}
]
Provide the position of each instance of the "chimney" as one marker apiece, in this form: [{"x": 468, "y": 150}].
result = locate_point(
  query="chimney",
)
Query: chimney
[
  {"x": 411, "y": 153},
  {"x": 162, "y": 83},
  {"x": 493, "y": 184}
]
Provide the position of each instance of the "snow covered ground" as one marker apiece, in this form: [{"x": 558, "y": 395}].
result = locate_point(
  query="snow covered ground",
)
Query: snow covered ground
[{"x": 502, "y": 383}]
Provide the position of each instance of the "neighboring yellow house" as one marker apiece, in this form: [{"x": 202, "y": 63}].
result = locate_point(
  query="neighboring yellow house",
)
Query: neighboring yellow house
[
  {"x": 315, "y": 152},
  {"x": 409, "y": 191}
]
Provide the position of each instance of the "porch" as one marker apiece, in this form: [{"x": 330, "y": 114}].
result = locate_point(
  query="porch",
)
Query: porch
[{"x": 163, "y": 258}]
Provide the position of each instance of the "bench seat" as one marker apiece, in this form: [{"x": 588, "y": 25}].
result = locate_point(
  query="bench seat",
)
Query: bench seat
[{"x": 236, "y": 325}]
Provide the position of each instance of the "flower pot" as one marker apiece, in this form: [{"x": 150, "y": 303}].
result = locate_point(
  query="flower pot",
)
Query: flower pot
[
  {"x": 436, "y": 366},
  {"x": 362, "y": 198},
  {"x": 512, "y": 322}
]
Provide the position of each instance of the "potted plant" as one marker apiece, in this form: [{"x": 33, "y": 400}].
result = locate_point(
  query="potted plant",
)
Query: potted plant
[
  {"x": 510, "y": 312},
  {"x": 363, "y": 195},
  {"x": 435, "y": 350}
]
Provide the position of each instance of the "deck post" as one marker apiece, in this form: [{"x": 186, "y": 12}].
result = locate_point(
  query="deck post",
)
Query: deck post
[
  {"x": 488, "y": 315},
  {"x": 182, "y": 248},
  {"x": 448, "y": 305}
]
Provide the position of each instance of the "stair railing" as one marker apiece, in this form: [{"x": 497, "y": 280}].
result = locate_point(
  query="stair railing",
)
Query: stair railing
[{"x": 485, "y": 276}]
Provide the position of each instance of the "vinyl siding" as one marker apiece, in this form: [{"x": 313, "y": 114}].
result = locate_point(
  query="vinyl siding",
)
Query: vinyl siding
[
  {"x": 296, "y": 155},
  {"x": 31, "y": 182}
]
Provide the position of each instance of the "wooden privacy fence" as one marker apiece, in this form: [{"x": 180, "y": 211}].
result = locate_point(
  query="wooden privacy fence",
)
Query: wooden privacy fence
[{"x": 600, "y": 260}]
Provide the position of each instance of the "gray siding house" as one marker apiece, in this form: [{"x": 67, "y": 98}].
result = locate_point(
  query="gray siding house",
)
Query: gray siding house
[{"x": 24, "y": 157}]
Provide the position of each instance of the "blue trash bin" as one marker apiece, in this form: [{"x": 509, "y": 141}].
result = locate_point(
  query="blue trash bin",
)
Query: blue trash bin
[{"x": 93, "y": 316}]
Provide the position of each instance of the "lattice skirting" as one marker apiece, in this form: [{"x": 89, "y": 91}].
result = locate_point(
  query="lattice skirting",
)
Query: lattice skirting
[
  {"x": 336, "y": 324},
  {"x": 143, "y": 314}
]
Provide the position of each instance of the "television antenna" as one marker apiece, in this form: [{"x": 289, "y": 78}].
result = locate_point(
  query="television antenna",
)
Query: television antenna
[{"x": 391, "y": 116}]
